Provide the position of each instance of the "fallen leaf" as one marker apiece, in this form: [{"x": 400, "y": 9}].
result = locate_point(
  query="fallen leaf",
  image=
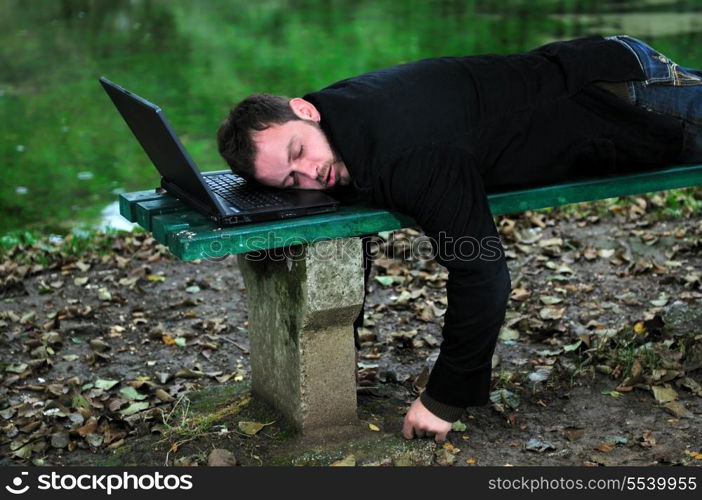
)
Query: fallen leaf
[
  {"x": 79, "y": 401},
  {"x": 16, "y": 368},
  {"x": 389, "y": 280},
  {"x": 539, "y": 446},
  {"x": 84, "y": 267},
  {"x": 504, "y": 397},
  {"x": 89, "y": 427},
  {"x": 564, "y": 269},
  {"x": 691, "y": 384},
  {"x": 128, "y": 282},
  {"x": 507, "y": 333},
  {"x": 605, "y": 253},
  {"x": 539, "y": 375},
  {"x": 661, "y": 301},
  {"x": 163, "y": 396},
  {"x": 647, "y": 439},
  {"x": 550, "y": 242},
  {"x": 221, "y": 458},
  {"x": 550, "y": 300},
  {"x": 624, "y": 388},
  {"x": 617, "y": 439},
  {"x": 28, "y": 317},
  {"x": 134, "y": 408},
  {"x": 348, "y": 461},
  {"x": 21, "y": 448},
  {"x": 605, "y": 447},
  {"x": 131, "y": 394},
  {"x": 551, "y": 312},
  {"x": 105, "y": 385},
  {"x": 60, "y": 439},
  {"x": 572, "y": 347},
  {"x": 573, "y": 433},
  {"x": 374, "y": 427},
  {"x": 519, "y": 294},
  {"x": 458, "y": 426},
  {"x": 451, "y": 448},
  {"x": 251, "y": 428},
  {"x": 99, "y": 345},
  {"x": 664, "y": 394},
  {"x": 677, "y": 409},
  {"x": 639, "y": 328},
  {"x": 444, "y": 457}
]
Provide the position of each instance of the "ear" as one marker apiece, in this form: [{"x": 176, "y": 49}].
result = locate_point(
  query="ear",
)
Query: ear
[{"x": 304, "y": 109}]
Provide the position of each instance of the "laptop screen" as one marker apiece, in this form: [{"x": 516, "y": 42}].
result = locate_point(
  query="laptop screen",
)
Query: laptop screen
[{"x": 154, "y": 133}]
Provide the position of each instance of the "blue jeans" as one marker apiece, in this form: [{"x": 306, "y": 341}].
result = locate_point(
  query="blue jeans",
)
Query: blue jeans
[{"x": 668, "y": 89}]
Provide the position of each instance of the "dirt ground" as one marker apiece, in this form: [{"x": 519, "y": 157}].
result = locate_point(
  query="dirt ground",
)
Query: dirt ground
[{"x": 599, "y": 363}]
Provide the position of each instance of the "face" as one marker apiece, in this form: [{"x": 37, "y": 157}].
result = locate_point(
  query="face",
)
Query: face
[{"x": 297, "y": 154}]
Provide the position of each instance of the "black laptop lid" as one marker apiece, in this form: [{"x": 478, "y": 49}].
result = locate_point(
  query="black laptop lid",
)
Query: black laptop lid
[{"x": 154, "y": 133}]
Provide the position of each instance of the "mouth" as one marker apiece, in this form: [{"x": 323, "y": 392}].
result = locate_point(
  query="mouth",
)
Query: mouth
[{"x": 329, "y": 181}]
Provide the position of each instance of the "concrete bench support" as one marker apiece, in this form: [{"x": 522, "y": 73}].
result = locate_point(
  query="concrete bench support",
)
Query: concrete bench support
[{"x": 301, "y": 311}]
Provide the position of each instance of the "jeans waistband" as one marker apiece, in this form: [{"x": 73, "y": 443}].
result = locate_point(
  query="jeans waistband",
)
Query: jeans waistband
[
  {"x": 657, "y": 68},
  {"x": 655, "y": 65}
]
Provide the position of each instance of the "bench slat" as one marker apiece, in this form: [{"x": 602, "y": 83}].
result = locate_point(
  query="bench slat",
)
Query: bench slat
[
  {"x": 146, "y": 210},
  {"x": 595, "y": 189},
  {"x": 128, "y": 201},
  {"x": 208, "y": 242},
  {"x": 164, "y": 225},
  {"x": 191, "y": 236}
]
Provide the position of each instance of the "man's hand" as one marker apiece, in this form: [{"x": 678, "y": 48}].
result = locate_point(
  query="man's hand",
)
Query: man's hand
[{"x": 420, "y": 422}]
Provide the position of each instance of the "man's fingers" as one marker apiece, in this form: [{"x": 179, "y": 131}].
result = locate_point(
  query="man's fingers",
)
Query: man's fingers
[
  {"x": 441, "y": 436},
  {"x": 407, "y": 430}
]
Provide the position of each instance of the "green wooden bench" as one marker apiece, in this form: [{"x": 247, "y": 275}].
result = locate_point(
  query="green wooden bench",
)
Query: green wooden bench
[{"x": 302, "y": 306}]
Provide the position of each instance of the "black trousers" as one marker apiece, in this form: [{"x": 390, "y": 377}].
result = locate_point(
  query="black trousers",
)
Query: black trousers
[{"x": 366, "y": 241}]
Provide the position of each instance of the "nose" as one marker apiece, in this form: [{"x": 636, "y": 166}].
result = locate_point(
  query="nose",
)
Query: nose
[{"x": 307, "y": 168}]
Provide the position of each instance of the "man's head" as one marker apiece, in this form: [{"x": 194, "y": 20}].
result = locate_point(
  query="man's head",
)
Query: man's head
[{"x": 278, "y": 142}]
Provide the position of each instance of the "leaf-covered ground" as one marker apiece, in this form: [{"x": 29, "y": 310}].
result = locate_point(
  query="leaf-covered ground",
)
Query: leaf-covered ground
[{"x": 599, "y": 362}]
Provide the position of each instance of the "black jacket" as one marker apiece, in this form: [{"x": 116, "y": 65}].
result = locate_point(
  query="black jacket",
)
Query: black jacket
[{"x": 429, "y": 138}]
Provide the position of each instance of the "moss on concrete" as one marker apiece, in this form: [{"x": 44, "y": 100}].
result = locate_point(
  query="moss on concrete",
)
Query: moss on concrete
[
  {"x": 368, "y": 450},
  {"x": 212, "y": 398},
  {"x": 276, "y": 444}
]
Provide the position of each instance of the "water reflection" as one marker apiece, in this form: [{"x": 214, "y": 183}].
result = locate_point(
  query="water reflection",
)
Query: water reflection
[
  {"x": 111, "y": 219},
  {"x": 196, "y": 58}
]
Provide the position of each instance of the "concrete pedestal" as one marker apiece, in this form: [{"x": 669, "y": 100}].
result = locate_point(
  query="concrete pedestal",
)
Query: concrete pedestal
[{"x": 302, "y": 302}]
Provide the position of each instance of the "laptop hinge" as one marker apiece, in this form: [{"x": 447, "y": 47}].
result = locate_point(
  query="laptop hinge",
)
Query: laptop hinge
[{"x": 204, "y": 208}]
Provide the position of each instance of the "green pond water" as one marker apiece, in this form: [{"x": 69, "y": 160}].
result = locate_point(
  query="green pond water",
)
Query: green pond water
[{"x": 65, "y": 153}]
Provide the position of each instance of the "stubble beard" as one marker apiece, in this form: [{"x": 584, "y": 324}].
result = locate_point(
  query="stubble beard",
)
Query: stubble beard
[{"x": 336, "y": 158}]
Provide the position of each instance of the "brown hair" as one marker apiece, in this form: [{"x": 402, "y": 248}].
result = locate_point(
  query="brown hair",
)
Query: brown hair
[{"x": 255, "y": 113}]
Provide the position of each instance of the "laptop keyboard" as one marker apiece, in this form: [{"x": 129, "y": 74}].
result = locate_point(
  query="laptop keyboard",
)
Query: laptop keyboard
[{"x": 236, "y": 191}]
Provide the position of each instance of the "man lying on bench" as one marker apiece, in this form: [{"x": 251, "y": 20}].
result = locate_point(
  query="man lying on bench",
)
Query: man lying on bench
[{"x": 429, "y": 138}]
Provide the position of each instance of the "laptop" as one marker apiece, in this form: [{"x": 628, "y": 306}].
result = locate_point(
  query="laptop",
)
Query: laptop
[{"x": 222, "y": 196}]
